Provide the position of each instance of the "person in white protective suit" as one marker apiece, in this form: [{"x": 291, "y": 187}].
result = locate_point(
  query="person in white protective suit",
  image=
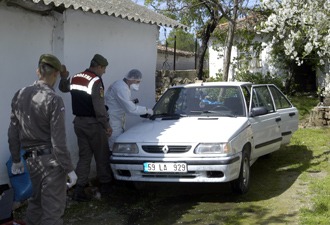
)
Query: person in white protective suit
[{"x": 118, "y": 100}]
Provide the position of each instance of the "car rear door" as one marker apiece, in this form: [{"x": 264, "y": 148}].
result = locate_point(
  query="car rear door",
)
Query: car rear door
[
  {"x": 266, "y": 128},
  {"x": 288, "y": 113}
]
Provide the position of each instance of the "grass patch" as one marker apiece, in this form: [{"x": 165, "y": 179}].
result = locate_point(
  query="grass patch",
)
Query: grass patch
[
  {"x": 318, "y": 170},
  {"x": 304, "y": 104}
]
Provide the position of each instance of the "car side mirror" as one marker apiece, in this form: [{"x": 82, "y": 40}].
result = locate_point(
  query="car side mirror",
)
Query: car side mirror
[{"x": 258, "y": 111}]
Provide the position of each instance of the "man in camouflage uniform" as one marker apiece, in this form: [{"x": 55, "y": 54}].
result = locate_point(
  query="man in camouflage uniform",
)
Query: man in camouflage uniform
[{"x": 37, "y": 126}]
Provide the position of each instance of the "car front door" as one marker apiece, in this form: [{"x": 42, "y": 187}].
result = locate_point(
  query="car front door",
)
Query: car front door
[{"x": 266, "y": 128}]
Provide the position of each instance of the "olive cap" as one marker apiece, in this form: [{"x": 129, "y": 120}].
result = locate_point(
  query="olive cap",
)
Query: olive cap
[
  {"x": 52, "y": 61},
  {"x": 100, "y": 60}
]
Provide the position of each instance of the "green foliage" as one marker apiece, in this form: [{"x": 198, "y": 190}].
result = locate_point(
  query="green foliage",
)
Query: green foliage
[
  {"x": 188, "y": 12},
  {"x": 218, "y": 77},
  {"x": 258, "y": 78},
  {"x": 206, "y": 73},
  {"x": 184, "y": 40}
]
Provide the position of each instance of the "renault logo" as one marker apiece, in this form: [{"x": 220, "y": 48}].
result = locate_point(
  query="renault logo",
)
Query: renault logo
[{"x": 165, "y": 149}]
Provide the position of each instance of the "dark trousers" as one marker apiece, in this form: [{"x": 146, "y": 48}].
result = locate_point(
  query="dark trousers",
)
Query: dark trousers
[
  {"x": 92, "y": 140},
  {"x": 48, "y": 180}
]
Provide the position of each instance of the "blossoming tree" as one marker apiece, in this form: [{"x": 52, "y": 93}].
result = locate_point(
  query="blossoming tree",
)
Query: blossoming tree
[{"x": 303, "y": 27}]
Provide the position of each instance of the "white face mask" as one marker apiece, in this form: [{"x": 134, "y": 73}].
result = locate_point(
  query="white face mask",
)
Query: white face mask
[{"x": 134, "y": 87}]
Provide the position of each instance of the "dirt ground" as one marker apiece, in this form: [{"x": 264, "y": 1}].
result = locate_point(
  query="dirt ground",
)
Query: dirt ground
[
  {"x": 169, "y": 203},
  {"x": 197, "y": 204}
]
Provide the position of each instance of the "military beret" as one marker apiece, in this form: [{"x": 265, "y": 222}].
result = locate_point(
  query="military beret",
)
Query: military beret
[
  {"x": 52, "y": 61},
  {"x": 100, "y": 60}
]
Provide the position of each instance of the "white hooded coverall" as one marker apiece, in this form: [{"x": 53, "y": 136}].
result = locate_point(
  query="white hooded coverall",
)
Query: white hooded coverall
[{"x": 118, "y": 100}]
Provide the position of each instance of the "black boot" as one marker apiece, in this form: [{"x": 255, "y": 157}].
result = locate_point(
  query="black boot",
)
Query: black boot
[{"x": 79, "y": 194}]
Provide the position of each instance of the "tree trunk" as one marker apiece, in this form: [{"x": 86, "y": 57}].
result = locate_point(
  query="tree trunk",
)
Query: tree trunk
[
  {"x": 231, "y": 32},
  {"x": 205, "y": 37},
  {"x": 288, "y": 81},
  {"x": 201, "y": 56}
]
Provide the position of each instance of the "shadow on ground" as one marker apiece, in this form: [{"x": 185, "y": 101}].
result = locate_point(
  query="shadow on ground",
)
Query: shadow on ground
[{"x": 200, "y": 203}]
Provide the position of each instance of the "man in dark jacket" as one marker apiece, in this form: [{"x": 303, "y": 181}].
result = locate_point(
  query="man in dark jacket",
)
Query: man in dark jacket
[{"x": 91, "y": 125}]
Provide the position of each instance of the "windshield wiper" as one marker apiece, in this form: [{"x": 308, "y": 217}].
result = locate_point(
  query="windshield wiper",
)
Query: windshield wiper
[
  {"x": 217, "y": 112},
  {"x": 167, "y": 116},
  {"x": 205, "y": 111}
]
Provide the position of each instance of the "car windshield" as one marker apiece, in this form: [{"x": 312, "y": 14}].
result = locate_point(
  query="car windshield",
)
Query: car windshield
[{"x": 200, "y": 101}]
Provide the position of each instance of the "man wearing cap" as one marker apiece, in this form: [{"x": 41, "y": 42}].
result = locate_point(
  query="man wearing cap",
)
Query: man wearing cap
[
  {"x": 91, "y": 125},
  {"x": 119, "y": 102},
  {"x": 37, "y": 126}
]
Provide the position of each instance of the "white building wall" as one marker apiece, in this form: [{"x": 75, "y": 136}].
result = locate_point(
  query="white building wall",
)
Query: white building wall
[
  {"x": 217, "y": 60},
  {"x": 215, "y": 63},
  {"x": 126, "y": 45},
  {"x": 25, "y": 36}
]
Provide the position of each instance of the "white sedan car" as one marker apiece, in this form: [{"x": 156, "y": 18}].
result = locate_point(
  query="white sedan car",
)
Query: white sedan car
[{"x": 206, "y": 132}]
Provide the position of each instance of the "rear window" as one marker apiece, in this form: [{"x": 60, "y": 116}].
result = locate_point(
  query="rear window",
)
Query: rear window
[{"x": 280, "y": 100}]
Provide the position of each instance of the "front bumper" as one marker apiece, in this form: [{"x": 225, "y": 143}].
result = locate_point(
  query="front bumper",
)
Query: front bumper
[{"x": 210, "y": 169}]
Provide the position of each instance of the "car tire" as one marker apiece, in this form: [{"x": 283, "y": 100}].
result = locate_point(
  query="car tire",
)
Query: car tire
[
  {"x": 135, "y": 185},
  {"x": 242, "y": 184},
  {"x": 138, "y": 185},
  {"x": 267, "y": 156}
]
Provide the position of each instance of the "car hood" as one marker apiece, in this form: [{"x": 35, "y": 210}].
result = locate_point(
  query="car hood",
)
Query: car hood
[{"x": 188, "y": 129}]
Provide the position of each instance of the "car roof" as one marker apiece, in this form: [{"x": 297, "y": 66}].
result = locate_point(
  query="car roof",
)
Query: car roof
[{"x": 203, "y": 84}]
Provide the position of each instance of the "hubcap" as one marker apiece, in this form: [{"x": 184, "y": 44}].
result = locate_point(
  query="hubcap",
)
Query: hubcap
[{"x": 245, "y": 171}]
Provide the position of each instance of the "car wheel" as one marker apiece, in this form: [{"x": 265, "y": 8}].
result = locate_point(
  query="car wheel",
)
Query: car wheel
[{"x": 242, "y": 184}]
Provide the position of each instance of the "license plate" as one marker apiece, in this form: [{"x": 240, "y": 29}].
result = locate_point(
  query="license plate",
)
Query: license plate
[{"x": 165, "y": 167}]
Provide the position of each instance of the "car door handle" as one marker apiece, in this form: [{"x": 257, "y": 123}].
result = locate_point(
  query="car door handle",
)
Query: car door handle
[
  {"x": 292, "y": 114},
  {"x": 278, "y": 119}
]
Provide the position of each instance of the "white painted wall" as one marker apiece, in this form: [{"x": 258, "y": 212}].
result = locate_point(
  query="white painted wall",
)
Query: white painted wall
[
  {"x": 25, "y": 36},
  {"x": 217, "y": 59},
  {"x": 126, "y": 45}
]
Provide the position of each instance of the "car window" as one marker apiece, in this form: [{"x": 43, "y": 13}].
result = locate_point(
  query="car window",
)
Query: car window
[
  {"x": 202, "y": 101},
  {"x": 262, "y": 97},
  {"x": 173, "y": 101},
  {"x": 280, "y": 100}
]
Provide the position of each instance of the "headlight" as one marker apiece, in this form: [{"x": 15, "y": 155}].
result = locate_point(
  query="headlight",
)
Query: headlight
[
  {"x": 125, "y": 148},
  {"x": 212, "y": 148}
]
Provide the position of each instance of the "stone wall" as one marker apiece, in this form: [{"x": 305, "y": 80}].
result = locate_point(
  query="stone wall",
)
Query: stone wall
[
  {"x": 319, "y": 117},
  {"x": 169, "y": 78}
]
